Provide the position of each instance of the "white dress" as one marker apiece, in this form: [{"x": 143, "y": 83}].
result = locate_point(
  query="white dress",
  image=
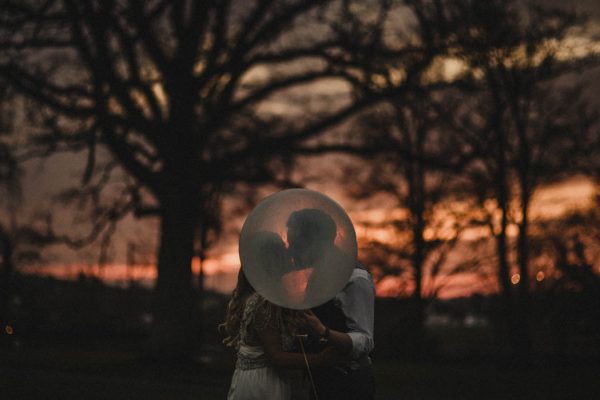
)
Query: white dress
[{"x": 254, "y": 378}]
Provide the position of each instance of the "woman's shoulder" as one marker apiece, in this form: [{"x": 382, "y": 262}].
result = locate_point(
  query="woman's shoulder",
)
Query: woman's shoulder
[
  {"x": 260, "y": 311},
  {"x": 253, "y": 301}
]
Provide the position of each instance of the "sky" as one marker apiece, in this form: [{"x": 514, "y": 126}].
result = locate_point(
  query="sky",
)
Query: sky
[{"x": 221, "y": 268}]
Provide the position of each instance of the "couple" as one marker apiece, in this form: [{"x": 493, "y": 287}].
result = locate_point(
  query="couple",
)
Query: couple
[{"x": 272, "y": 360}]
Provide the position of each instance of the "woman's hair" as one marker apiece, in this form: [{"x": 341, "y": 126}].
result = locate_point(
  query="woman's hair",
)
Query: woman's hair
[{"x": 230, "y": 329}]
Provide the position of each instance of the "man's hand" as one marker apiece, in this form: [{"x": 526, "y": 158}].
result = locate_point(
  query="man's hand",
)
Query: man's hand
[
  {"x": 313, "y": 324},
  {"x": 339, "y": 340}
]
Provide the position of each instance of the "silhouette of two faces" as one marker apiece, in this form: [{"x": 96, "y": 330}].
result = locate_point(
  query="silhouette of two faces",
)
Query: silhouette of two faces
[
  {"x": 311, "y": 234},
  {"x": 311, "y": 239}
]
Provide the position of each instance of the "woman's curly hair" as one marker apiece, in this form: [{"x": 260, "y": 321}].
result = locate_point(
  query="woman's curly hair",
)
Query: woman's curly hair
[
  {"x": 230, "y": 328},
  {"x": 284, "y": 318}
]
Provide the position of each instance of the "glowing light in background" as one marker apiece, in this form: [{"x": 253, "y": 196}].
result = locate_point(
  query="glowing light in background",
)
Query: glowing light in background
[
  {"x": 515, "y": 279},
  {"x": 540, "y": 276}
]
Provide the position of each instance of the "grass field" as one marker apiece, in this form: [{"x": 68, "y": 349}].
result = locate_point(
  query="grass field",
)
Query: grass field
[{"x": 65, "y": 372}]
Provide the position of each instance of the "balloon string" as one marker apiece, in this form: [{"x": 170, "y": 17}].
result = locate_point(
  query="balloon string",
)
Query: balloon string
[{"x": 312, "y": 382}]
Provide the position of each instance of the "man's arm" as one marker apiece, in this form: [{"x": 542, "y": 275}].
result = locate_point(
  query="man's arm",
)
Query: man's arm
[{"x": 358, "y": 305}]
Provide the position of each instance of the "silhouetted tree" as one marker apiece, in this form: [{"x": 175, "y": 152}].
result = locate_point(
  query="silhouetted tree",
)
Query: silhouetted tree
[
  {"x": 502, "y": 113},
  {"x": 417, "y": 171},
  {"x": 9, "y": 192},
  {"x": 392, "y": 59},
  {"x": 567, "y": 294},
  {"x": 511, "y": 49},
  {"x": 176, "y": 91},
  {"x": 15, "y": 248},
  {"x": 7, "y": 269}
]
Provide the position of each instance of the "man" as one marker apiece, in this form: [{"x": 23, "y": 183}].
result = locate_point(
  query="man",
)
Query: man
[{"x": 346, "y": 321}]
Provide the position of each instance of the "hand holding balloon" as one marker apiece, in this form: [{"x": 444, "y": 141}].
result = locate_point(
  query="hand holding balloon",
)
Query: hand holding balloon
[
  {"x": 313, "y": 324},
  {"x": 338, "y": 340}
]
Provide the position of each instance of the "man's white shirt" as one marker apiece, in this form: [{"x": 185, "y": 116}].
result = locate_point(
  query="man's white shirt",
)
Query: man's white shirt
[{"x": 357, "y": 302}]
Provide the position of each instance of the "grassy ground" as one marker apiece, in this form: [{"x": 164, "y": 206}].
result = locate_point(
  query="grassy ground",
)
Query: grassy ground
[
  {"x": 65, "y": 372},
  {"x": 62, "y": 372},
  {"x": 480, "y": 381}
]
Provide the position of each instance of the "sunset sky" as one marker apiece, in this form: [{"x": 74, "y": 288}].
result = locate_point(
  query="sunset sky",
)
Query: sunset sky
[{"x": 221, "y": 268}]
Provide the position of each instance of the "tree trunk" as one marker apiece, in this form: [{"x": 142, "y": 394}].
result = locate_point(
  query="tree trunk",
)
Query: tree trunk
[
  {"x": 419, "y": 304},
  {"x": 502, "y": 250},
  {"x": 416, "y": 179},
  {"x": 507, "y": 319},
  {"x": 523, "y": 306},
  {"x": 6, "y": 253},
  {"x": 171, "y": 336}
]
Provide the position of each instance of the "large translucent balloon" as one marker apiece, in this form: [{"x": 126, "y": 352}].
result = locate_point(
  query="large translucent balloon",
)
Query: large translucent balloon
[{"x": 298, "y": 248}]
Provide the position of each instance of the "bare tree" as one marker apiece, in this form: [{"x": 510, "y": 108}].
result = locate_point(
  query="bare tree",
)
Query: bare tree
[
  {"x": 7, "y": 242},
  {"x": 15, "y": 249},
  {"x": 416, "y": 171},
  {"x": 512, "y": 51},
  {"x": 173, "y": 89},
  {"x": 9, "y": 191},
  {"x": 408, "y": 157},
  {"x": 494, "y": 115},
  {"x": 567, "y": 295}
]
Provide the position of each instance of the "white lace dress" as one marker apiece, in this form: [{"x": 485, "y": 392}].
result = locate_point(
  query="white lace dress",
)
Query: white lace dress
[{"x": 254, "y": 378}]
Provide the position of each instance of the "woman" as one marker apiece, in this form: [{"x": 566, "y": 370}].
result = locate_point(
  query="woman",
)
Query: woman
[{"x": 264, "y": 335}]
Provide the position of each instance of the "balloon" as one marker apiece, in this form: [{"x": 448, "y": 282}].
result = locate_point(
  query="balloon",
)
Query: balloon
[{"x": 298, "y": 248}]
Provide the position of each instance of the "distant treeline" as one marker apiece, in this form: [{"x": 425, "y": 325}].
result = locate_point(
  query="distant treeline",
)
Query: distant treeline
[{"x": 47, "y": 310}]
